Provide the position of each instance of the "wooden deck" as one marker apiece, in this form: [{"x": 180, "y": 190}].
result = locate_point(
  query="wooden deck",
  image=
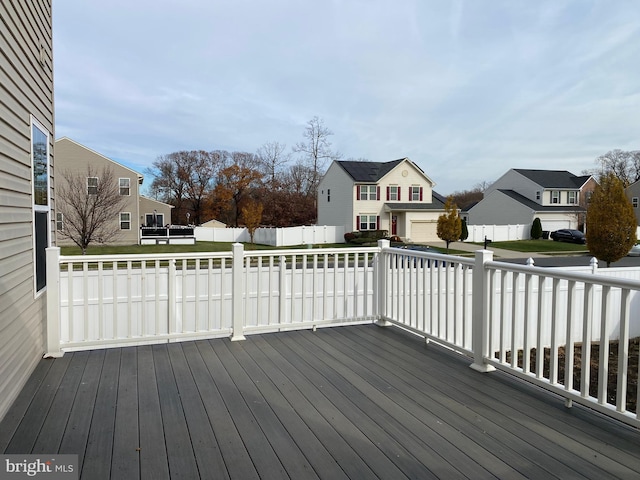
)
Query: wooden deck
[{"x": 349, "y": 402}]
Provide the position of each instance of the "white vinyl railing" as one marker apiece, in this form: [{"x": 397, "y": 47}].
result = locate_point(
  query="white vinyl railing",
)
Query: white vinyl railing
[{"x": 516, "y": 318}]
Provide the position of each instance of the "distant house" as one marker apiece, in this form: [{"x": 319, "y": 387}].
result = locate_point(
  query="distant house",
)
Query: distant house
[
  {"x": 633, "y": 194},
  {"x": 396, "y": 196},
  {"x": 214, "y": 224},
  {"x": 138, "y": 210},
  {"x": 26, "y": 189},
  {"x": 558, "y": 197}
]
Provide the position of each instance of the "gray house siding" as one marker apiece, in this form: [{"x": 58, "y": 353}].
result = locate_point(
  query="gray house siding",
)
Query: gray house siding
[
  {"x": 633, "y": 194},
  {"x": 26, "y": 206},
  {"x": 497, "y": 205}
]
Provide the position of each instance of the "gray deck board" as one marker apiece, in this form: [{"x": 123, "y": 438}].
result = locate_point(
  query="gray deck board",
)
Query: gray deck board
[{"x": 350, "y": 402}]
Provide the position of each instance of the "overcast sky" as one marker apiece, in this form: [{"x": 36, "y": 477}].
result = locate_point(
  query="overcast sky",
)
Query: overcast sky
[{"x": 467, "y": 89}]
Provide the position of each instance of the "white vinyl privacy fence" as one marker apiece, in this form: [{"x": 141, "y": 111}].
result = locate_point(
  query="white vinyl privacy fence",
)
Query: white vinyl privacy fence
[
  {"x": 277, "y": 237},
  {"x": 517, "y": 318}
]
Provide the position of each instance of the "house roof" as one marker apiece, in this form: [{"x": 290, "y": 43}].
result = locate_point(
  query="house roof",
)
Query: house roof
[
  {"x": 554, "y": 178},
  {"x": 437, "y": 203},
  {"x": 67, "y": 139},
  {"x": 536, "y": 206},
  {"x": 368, "y": 171}
]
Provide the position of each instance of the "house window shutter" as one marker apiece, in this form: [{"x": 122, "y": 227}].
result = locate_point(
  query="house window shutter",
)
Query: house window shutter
[
  {"x": 357, "y": 222},
  {"x": 410, "y": 194},
  {"x": 378, "y": 222},
  {"x": 357, "y": 192},
  {"x": 420, "y": 193},
  {"x": 378, "y": 192},
  {"x": 399, "y": 190},
  {"x": 388, "y": 193}
]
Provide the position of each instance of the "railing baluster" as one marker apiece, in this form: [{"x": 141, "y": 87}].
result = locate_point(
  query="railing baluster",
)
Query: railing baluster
[
  {"x": 587, "y": 317},
  {"x": 603, "y": 361}
]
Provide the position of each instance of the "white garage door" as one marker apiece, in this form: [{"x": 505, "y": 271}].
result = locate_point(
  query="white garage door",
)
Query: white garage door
[
  {"x": 423, "y": 231},
  {"x": 552, "y": 225}
]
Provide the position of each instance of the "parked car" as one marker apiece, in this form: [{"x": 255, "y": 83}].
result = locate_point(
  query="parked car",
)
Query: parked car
[
  {"x": 635, "y": 251},
  {"x": 568, "y": 235}
]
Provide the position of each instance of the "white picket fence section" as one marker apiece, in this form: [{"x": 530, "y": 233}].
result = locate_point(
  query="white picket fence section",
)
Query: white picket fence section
[
  {"x": 488, "y": 310},
  {"x": 498, "y": 233},
  {"x": 276, "y": 237}
]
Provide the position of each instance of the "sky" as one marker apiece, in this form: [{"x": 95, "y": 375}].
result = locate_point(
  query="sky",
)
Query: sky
[{"x": 467, "y": 89}]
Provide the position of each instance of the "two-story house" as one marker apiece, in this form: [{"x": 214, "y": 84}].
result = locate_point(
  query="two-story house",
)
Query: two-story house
[
  {"x": 396, "y": 196},
  {"x": 26, "y": 189},
  {"x": 557, "y": 197},
  {"x": 138, "y": 210}
]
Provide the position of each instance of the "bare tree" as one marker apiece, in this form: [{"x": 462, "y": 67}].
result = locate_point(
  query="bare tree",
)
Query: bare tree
[
  {"x": 316, "y": 148},
  {"x": 272, "y": 158},
  {"x": 90, "y": 210},
  {"x": 184, "y": 179},
  {"x": 623, "y": 164}
]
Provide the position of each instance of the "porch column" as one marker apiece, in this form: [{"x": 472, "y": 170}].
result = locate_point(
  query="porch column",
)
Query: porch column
[
  {"x": 380, "y": 275},
  {"x": 480, "y": 312}
]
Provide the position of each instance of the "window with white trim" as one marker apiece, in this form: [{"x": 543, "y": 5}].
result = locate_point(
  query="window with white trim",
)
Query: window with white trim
[
  {"x": 394, "y": 192},
  {"x": 572, "y": 197},
  {"x": 40, "y": 186},
  {"x": 92, "y": 185},
  {"x": 125, "y": 221},
  {"x": 555, "y": 196},
  {"x": 60, "y": 221},
  {"x": 368, "y": 192},
  {"x": 368, "y": 222},
  {"x": 634, "y": 202},
  {"x": 125, "y": 186},
  {"x": 415, "y": 193}
]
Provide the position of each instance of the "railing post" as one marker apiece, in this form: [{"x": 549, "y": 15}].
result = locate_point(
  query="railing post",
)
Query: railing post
[
  {"x": 480, "y": 312},
  {"x": 53, "y": 303},
  {"x": 237, "y": 267},
  {"x": 380, "y": 288}
]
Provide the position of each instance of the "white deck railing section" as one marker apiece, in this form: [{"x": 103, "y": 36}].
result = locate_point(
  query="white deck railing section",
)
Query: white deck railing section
[{"x": 516, "y": 318}]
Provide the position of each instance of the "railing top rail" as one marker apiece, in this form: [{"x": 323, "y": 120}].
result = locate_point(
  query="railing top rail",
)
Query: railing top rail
[
  {"x": 310, "y": 251},
  {"x": 431, "y": 255},
  {"x": 592, "y": 278},
  {"x": 138, "y": 257}
]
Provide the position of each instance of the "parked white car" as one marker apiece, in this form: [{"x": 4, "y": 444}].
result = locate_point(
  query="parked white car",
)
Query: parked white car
[{"x": 635, "y": 251}]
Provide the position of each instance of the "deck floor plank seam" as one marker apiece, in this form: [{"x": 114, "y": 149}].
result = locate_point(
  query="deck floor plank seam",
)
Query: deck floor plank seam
[
  {"x": 265, "y": 460},
  {"x": 479, "y": 422},
  {"x": 550, "y": 420}
]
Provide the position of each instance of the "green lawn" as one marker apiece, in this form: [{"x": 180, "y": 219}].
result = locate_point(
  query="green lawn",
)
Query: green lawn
[
  {"x": 198, "y": 247},
  {"x": 541, "y": 246},
  {"x": 208, "y": 247}
]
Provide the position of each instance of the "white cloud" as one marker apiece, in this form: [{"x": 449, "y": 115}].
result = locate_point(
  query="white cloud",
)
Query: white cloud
[{"x": 466, "y": 89}]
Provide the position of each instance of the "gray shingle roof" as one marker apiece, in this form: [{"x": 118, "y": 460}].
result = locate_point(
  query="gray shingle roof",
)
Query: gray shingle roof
[
  {"x": 437, "y": 203},
  {"x": 368, "y": 171},
  {"x": 554, "y": 178}
]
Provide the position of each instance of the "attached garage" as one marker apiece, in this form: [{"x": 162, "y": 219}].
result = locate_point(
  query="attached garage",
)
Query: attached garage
[
  {"x": 552, "y": 225},
  {"x": 422, "y": 231}
]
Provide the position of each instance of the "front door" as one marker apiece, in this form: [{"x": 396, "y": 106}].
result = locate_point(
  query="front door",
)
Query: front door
[{"x": 394, "y": 225}]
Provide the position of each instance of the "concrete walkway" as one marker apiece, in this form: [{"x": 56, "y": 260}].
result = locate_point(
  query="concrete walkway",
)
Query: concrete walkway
[{"x": 497, "y": 252}]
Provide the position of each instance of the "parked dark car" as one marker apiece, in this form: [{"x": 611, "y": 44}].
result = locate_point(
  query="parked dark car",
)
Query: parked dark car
[{"x": 568, "y": 235}]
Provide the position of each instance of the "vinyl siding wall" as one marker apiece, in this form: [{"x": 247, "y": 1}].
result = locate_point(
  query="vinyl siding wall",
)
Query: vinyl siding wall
[
  {"x": 26, "y": 94},
  {"x": 339, "y": 210},
  {"x": 75, "y": 158}
]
